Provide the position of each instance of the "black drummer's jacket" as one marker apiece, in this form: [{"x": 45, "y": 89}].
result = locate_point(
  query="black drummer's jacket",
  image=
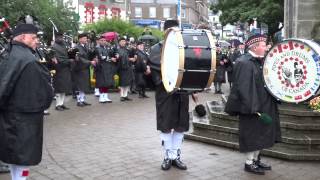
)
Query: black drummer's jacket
[{"x": 155, "y": 64}]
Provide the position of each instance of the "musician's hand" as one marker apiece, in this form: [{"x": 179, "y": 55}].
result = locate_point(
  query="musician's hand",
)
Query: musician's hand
[
  {"x": 52, "y": 72},
  {"x": 54, "y": 60},
  {"x": 148, "y": 71},
  {"x": 93, "y": 63},
  {"x": 132, "y": 59},
  {"x": 113, "y": 59}
]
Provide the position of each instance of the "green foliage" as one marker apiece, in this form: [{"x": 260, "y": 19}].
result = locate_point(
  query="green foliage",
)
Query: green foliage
[
  {"x": 41, "y": 9},
  {"x": 121, "y": 27},
  {"x": 270, "y": 12}
]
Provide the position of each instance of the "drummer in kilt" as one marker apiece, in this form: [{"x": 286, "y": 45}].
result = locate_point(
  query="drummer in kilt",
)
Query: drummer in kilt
[
  {"x": 172, "y": 111},
  {"x": 249, "y": 98}
]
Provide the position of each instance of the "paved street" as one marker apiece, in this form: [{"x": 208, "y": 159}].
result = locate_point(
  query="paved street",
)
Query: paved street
[{"x": 120, "y": 141}]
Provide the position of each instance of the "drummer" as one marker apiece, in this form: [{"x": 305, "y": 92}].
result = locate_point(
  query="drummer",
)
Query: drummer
[
  {"x": 172, "y": 111},
  {"x": 247, "y": 98}
]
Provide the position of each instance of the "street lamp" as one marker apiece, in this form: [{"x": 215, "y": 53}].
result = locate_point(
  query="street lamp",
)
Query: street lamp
[{"x": 179, "y": 12}]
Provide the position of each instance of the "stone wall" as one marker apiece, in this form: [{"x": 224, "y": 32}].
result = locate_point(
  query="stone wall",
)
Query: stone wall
[{"x": 302, "y": 19}]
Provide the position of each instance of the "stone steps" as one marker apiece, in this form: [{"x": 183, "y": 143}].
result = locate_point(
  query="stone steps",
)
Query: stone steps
[
  {"x": 277, "y": 151},
  {"x": 287, "y": 137},
  {"x": 291, "y": 148},
  {"x": 300, "y": 132}
]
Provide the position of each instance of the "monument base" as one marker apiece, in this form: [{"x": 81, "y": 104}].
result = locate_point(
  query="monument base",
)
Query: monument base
[{"x": 300, "y": 128}]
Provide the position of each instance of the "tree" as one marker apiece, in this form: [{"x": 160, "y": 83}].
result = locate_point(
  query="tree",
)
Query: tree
[
  {"x": 270, "y": 12},
  {"x": 121, "y": 27},
  {"x": 42, "y": 10}
]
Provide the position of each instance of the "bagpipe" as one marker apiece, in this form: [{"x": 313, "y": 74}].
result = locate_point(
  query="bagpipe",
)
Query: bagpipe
[{"x": 5, "y": 33}]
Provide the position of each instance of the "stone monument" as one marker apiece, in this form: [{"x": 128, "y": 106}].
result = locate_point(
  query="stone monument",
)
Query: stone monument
[
  {"x": 302, "y": 19},
  {"x": 300, "y": 126}
]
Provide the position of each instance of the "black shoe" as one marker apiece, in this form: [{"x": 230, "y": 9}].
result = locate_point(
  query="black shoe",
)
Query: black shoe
[
  {"x": 4, "y": 169},
  {"x": 59, "y": 108},
  {"x": 80, "y": 104},
  {"x": 64, "y": 107},
  {"x": 262, "y": 165},
  {"x": 219, "y": 92},
  {"x": 253, "y": 168},
  {"x": 86, "y": 104},
  {"x": 133, "y": 92},
  {"x": 166, "y": 164},
  {"x": 145, "y": 96},
  {"x": 179, "y": 164},
  {"x": 141, "y": 96},
  {"x": 127, "y": 99},
  {"x": 122, "y": 99},
  {"x": 216, "y": 92}
]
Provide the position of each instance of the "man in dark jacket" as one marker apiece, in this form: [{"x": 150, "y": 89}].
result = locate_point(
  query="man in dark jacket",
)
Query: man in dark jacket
[
  {"x": 233, "y": 54},
  {"x": 172, "y": 111},
  {"x": 220, "y": 76},
  {"x": 249, "y": 98},
  {"x": 104, "y": 70},
  {"x": 25, "y": 92},
  {"x": 81, "y": 73},
  {"x": 141, "y": 69},
  {"x": 124, "y": 69},
  {"x": 62, "y": 79}
]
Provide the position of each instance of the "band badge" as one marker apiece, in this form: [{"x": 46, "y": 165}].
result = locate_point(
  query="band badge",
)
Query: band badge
[{"x": 292, "y": 70}]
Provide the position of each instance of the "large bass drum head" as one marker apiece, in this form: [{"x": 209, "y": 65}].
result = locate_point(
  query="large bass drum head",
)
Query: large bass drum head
[
  {"x": 170, "y": 59},
  {"x": 291, "y": 70}
]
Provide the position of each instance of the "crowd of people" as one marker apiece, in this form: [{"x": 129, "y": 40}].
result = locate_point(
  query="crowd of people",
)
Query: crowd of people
[
  {"x": 225, "y": 60},
  {"x": 72, "y": 74}
]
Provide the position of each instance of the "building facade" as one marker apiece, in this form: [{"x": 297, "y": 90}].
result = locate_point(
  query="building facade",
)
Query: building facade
[
  {"x": 153, "y": 13},
  {"x": 93, "y": 10}
]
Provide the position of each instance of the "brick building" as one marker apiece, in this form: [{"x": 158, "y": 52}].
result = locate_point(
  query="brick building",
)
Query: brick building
[{"x": 154, "y": 12}]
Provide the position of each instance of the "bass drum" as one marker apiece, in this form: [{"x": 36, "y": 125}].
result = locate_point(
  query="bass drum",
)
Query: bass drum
[
  {"x": 188, "y": 60},
  {"x": 291, "y": 70}
]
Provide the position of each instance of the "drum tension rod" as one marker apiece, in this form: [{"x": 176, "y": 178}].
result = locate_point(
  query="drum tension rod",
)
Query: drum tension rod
[
  {"x": 189, "y": 89},
  {"x": 191, "y": 70},
  {"x": 201, "y": 47}
]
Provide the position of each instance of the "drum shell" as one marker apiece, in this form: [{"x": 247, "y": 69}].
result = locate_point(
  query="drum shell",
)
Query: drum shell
[{"x": 197, "y": 61}]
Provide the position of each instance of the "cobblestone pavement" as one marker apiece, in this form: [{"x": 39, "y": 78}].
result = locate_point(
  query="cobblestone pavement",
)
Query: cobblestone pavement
[{"x": 120, "y": 141}]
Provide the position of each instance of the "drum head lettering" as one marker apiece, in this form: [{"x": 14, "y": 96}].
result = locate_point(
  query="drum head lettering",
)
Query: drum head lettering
[{"x": 292, "y": 71}]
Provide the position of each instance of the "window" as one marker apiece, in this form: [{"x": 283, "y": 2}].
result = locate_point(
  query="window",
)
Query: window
[
  {"x": 167, "y": 1},
  {"x": 152, "y": 12},
  {"x": 138, "y": 11},
  {"x": 166, "y": 12},
  {"x": 142, "y": 1}
]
